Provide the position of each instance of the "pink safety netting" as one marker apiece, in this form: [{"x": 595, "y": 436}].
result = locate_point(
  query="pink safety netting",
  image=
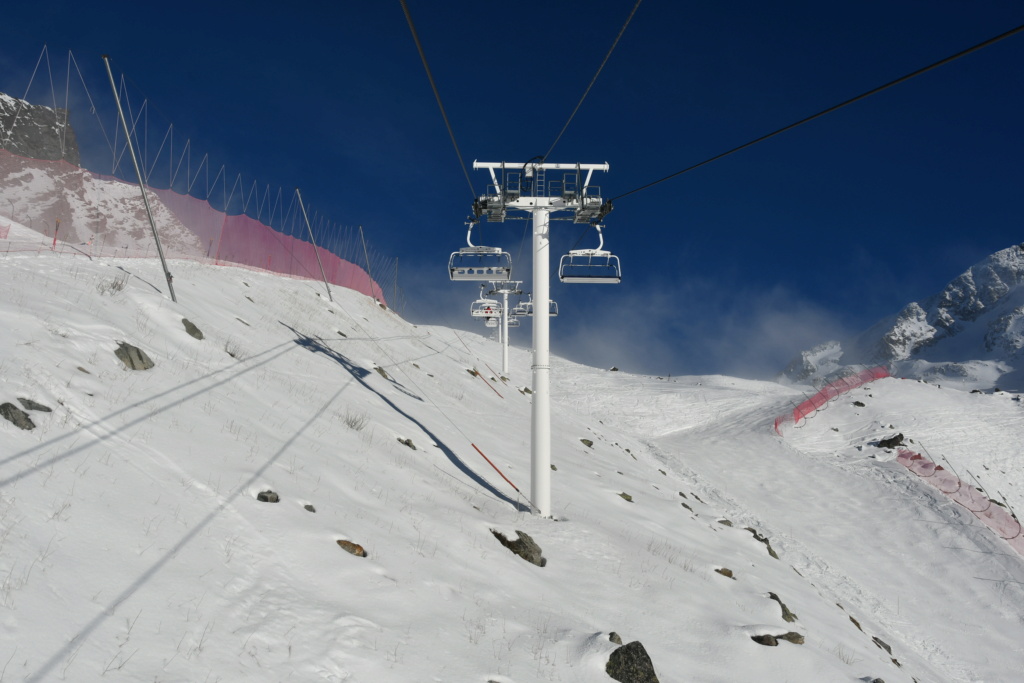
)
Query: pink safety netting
[
  {"x": 993, "y": 515},
  {"x": 829, "y": 392},
  {"x": 189, "y": 228}
]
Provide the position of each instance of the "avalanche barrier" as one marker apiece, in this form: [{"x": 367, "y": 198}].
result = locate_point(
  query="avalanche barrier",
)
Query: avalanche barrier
[
  {"x": 992, "y": 514},
  {"x": 828, "y": 392}
]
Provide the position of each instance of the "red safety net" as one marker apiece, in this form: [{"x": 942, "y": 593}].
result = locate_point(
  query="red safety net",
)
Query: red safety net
[
  {"x": 105, "y": 216},
  {"x": 830, "y": 391},
  {"x": 992, "y": 514}
]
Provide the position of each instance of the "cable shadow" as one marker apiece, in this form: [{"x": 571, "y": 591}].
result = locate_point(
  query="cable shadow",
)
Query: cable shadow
[
  {"x": 99, "y": 422},
  {"x": 360, "y": 374},
  {"x": 108, "y": 612}
]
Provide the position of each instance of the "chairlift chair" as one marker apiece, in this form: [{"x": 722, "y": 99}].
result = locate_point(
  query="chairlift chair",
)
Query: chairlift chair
[
  {"x": 513, "y": 321},
  {"x": 490, "y": 322},
  {"x": 479, "y": 263},
  {"x": 590, "y": 266},
  {"x": 525, "y": 308},
  {"x": 485, "y": 308}
]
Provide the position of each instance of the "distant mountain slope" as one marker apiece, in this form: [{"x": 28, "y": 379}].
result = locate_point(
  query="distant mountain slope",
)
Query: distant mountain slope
[{"x": 970, "y": 333}]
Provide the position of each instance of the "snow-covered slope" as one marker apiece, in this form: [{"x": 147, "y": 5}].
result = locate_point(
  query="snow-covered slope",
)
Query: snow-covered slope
[
  {"x": 971, "y": 333},
  {"x": 133, "y": 546}
]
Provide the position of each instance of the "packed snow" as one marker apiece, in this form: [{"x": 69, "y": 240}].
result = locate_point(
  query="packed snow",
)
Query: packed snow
[{"x": 133, "y": 545}]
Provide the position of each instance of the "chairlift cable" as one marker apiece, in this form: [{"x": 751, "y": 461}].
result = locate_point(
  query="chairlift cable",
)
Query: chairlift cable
[
  {"x": 901, "y": 79},
  {"x": 594, "y": 79},
  {"x": 437, "y": 95}
]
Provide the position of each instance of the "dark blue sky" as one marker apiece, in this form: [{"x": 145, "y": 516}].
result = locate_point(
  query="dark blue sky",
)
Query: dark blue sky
[{"x": 731, "y": 268}]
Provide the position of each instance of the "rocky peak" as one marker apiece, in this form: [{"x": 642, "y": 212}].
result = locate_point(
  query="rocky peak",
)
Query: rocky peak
[
  {"x": 36, "y": 132},
  {"x": 976, "y": 321}
]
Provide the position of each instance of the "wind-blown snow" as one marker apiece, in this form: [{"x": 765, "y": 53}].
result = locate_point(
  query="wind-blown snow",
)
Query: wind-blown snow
[{"x": 132, "y": 546}]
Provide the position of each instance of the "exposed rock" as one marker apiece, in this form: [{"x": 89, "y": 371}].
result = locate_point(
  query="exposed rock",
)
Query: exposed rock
[
  {"x": 859, "y": 404},
  {"x": 626, "y": 497},
  {"x": 309, "y": 508},
  {"x": 587, "y": 442},
  {"x": 786, "y": 614},
  {"x": 772, "y": 641},
  {"x": 133, "y": 357},
  {"x": 407, "y": 442},
  {"x": 882, "y": 644},
  {"x": 725, "y": 522},
  {"x": 891, "y": 442},
  {"x": 268, "y": 497},
  {"x": 191, "y": 328},
  {"x": 16, "y": 416},
  {"x": 984, "y": 304},
  {"x": 615, "y": 638},
  {"x": 29, "y": 404},
  {"x": 763, "y": 539},
  {"x": 381, "y": 372},
  {"x": 38, "y": 132},
  {"x": 631, "y": 664},
  {"x": 350, "y": 547},
  {"x": 725, "y": 571},
  {"x": 524, "y": 546}
]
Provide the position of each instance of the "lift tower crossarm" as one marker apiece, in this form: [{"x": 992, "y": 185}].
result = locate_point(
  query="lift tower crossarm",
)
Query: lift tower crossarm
[
  {"x": 539, "y": 203},
  {"x": 541, "y": 165}
]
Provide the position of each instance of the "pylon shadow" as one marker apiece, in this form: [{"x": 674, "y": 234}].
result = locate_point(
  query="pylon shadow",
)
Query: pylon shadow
[{"x": 360, "y": 374}]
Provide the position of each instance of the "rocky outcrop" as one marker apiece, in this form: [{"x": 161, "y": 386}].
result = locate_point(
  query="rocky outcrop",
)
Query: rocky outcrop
[
  {"x": 978, "y": 318},
  {"x": 37, "y": 132}
]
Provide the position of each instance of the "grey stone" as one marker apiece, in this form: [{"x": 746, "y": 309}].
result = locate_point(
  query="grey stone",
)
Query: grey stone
[
  {"x": 191, "y": 328},
  {"x": 524, "y": 546},
  {"x": 615, "y": 638},
  {"x": 766, "y": 639},
  {"x": 763, "y": 539},
  {"x": 891, "y": 442},
  {"x": 309, "y": 508},
  {"x": 29, "y": 404},
  {"x": 268, "y": 497},
  {"x": 786, "y": 614},
  {"x": 16, "y": 416},
  {"x": 631, "y": 664},
  {"x": 133, "y": 357}
]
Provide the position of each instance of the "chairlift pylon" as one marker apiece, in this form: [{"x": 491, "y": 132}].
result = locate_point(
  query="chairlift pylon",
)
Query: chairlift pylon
[
  {"x": 477, "y": 264},
  {"x": 590, "y": 266}
]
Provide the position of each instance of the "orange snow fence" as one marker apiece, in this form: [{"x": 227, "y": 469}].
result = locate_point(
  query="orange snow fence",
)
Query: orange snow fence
[
  {"x": 829, "y": 392},
  {"x": 992, "y": 514}
]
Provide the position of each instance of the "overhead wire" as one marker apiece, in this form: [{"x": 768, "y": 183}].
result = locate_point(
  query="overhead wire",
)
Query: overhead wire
[
  {"x": 831, "y": 109},
  {"x": 594, "y": 79},
  {"x": 437, "y": 94}
]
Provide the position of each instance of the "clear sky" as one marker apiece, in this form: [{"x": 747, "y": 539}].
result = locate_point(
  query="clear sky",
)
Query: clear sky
[{"x": 731, "y": 268}]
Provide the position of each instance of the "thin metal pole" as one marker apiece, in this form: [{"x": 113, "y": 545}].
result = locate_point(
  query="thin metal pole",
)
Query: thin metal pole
[
  {"x": 540, "y": 441},
  {"x": 366, "y": 256},
  {"x": 504, "y": 331},
  {"x": 142, "y": 184},
  {"x": 313, "y": 240}
]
